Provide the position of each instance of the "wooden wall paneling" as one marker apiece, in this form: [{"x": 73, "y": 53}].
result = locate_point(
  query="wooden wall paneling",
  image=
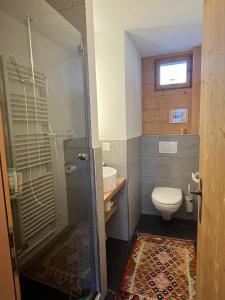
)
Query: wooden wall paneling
[
  {"x": 166, "y": 102},
  {"x": 163, "y": 129},
  {"x": 196, "y": 89},
  {"x": 156, "y": 104}
]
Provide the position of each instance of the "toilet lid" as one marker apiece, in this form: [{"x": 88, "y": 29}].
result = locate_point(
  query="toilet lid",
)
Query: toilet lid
[{"x": 167, "y": 196}]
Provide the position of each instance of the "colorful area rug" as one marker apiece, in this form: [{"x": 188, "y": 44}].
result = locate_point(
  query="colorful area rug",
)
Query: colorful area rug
[
  {"x": 160, "y": 268},
  {"x": 66, "y": 265}
]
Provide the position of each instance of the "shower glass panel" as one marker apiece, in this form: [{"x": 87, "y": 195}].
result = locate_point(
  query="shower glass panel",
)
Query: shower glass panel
[{"x": 43, "y": 104}]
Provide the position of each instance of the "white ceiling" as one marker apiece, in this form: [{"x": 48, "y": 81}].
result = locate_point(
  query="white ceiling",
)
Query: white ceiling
[
  {"x": 45, "y": 20},
  {"x": 155, "y": 26}
]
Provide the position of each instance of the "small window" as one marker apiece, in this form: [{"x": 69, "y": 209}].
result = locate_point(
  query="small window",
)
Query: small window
[{"x": 173, "y": 73}]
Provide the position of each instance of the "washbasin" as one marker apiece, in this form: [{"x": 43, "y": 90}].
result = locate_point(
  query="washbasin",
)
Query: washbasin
[{"x": 109, "y": 179}]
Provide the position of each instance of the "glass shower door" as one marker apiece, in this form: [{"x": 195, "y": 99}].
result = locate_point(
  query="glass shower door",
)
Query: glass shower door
[{"x": 44, "y": 107}]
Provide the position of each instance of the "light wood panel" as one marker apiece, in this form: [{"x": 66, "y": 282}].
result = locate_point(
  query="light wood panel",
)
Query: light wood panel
[
  {"x": 9, "y": 279},
  {"x": 211, "y": 241},
  {"x": 7, "y": 291},
  {"x": 109, "y": 214},
  {"x": 156, "y": 104},
  {"x": 196, "y": 88},
  {"x": 119, "y": 185},
  {"x": 109, "y": 195}
]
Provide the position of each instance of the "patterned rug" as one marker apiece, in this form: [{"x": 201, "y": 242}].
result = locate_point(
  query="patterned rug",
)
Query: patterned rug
[
  {"x": 66, "y": 264},
  {"x": 160, "y": 268}
]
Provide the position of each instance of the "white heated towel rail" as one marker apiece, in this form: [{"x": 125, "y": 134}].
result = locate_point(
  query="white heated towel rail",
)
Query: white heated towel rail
[{"x": 30, "y": 151}]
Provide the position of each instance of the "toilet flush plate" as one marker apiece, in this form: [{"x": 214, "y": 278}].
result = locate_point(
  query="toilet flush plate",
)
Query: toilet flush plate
[{"x": 168, "y": 147}]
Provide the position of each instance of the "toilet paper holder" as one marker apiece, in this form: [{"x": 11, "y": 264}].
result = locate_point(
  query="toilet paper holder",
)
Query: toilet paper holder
[
  {"x": 195, "y": 177},
  {"x": 198, "y": 193}
]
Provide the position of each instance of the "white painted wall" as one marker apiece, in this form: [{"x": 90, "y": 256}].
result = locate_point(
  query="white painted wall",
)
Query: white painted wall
[
  {"x": 92, "y": 74},
  {"x": 117, "y": 62},
  {"x": 118, "y": 86},
  {"x": 110, "y": 58},
  {"x": 132, "y": 89}
]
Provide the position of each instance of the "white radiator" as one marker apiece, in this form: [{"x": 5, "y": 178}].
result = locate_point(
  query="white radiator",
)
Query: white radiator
[{"x": 30, "y": 152}]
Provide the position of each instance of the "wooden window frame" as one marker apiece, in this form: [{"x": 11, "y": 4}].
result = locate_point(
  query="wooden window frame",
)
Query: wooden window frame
[{"x": 170, "y": 60}]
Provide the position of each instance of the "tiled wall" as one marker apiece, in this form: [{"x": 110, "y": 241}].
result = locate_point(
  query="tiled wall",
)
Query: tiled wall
[
  {"x": 76, "y": 182},
  {"x": 134, "y": 181},
  {"x": 138, "y": 160},
  {"x": 170, "y": 170},
  {"x": 97, "y": 190},
  {"x": 117, "y": 227},
  {"x": 124, "y": 155}
]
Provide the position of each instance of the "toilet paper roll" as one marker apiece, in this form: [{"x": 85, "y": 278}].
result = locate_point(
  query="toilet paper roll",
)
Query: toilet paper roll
[{"x": 195, "y": 177}]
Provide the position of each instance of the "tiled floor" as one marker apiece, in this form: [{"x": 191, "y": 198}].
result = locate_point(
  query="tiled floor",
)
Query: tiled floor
[
  {"x": 34, "y": 290},
  {"x": 118, "y": 251},
  {"x": 38, "y": 291}
]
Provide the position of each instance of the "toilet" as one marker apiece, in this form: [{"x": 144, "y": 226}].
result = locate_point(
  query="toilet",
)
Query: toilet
[{"x": 167, "y": 200}]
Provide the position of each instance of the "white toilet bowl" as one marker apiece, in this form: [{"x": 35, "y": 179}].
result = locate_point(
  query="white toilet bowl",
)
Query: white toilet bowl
[{"x": 167, "y": 200}]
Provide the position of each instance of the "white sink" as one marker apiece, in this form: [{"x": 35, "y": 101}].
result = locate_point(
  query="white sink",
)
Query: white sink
[{"x": 109, "y": 179}]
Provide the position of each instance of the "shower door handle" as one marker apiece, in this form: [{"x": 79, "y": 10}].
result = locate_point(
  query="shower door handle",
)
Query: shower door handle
[{"x": 83, "y": 156}]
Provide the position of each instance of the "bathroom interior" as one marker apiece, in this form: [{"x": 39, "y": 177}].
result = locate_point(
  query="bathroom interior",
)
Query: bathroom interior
[{"x": 100, "y": 105}]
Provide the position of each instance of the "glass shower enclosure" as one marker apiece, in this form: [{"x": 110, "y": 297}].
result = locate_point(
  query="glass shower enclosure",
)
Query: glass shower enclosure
[{"x": 43, "y": 103}]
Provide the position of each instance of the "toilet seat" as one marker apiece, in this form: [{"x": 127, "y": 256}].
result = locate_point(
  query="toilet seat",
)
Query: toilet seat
[{"x": 166, "y": 196}]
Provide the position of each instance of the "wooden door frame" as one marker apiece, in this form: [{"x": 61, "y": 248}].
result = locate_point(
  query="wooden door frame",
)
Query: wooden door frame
[{"x": 11, "y": 283}]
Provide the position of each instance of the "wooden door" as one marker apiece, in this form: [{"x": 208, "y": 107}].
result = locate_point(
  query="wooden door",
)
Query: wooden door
[
  {"x": 7, "y": 291},
  {"x": 211, "y": 230},
  {"x": 9, "y": 280}
]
